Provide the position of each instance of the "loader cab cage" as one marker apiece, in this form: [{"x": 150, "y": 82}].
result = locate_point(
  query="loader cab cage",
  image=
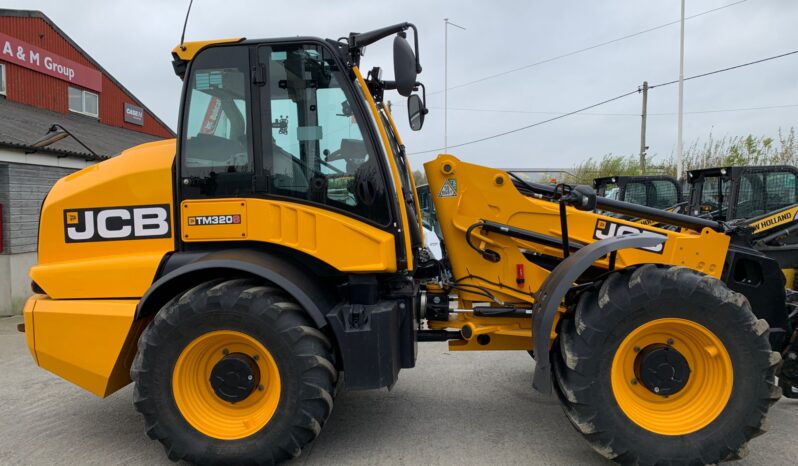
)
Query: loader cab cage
[
  {"x": 730, "y": 193},
  {"x": 660, "y": 192}
]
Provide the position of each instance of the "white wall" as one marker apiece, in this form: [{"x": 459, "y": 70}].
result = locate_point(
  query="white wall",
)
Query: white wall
[
  {"x": 29, "y": 179},
  {"x": 14, "y": 281},
  {"x": 49, "y": 160}
]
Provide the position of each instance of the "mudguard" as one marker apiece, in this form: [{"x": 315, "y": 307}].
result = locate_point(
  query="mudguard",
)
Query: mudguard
[
  {"x": 296, "y": 281},
  {"x": 557, "y": 284}
]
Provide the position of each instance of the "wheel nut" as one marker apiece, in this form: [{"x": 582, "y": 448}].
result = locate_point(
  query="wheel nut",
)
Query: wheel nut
[
  {"x": 634, "y": 381},
  {"x": 637, "y": 349},
  {"x": 669, "y": 342},
  {"x": 255, "y": 357},
  {"x": 656, "y": 389},
  {"x": 260, "y": 388},
  {"x": 225, "y": 351},
  {"x": 249, "y": 377}
]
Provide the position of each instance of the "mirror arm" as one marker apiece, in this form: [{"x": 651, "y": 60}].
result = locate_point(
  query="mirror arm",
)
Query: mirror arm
[
  {"x": 423, "y": 96},
  {"x": 415, "y": 42},
  {"x": 357, "y": 41}
]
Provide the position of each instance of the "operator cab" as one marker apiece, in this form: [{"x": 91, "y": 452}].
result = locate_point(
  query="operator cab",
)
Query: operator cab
[
  {"x": 730, "y": 193},
  {"x": 660, "y": 192},
  {"x": 287, "y": 120}
]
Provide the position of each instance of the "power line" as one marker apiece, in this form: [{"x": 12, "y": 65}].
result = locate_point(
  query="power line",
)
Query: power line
[
  {"x": 505, "y": 133},
  {"x": 636, "y": 115},
  {"x": 603, "y": 102},
  {"x": 595, "y": 46},
  {"x": 726, "y": 69}
]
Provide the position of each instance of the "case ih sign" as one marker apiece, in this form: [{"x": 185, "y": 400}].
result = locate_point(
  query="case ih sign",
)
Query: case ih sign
[
  {"x": 23, "y": 54},
  {"x": 134, "y": 115}
]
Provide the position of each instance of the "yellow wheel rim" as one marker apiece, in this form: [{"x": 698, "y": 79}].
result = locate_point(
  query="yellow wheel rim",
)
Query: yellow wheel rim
[
  {"x": 203, "y": 408},
  {"x": 702, "y": 398}
]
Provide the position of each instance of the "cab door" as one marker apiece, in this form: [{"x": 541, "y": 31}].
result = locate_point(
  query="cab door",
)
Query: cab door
[{"x": 315, "y": 143}]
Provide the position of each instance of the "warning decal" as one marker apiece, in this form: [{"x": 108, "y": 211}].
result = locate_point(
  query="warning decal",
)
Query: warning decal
[{"x": 449, "y": 188}]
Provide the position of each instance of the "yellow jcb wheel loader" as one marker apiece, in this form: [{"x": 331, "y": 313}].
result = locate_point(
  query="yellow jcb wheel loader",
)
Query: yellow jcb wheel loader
[{"x": 238, "y": 273}]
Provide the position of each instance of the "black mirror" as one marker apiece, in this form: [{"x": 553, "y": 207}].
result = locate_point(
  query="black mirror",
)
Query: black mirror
[
  {"x": 404, "y": 66},
  {"x": 416, "y": 112}
]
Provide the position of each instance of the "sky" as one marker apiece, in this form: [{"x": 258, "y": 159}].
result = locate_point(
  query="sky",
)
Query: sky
[{"x": 133, "y": 40}]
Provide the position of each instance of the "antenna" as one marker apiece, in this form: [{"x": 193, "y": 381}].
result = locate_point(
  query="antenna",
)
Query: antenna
[{"x": 185, "y": 23}]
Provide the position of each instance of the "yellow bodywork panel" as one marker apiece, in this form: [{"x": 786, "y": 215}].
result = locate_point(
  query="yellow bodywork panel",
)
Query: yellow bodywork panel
[
  {"x": 91, "y": 343},
  {"x": 466, "y": 194},
  {"x": 187, "y": 50},
  {"x": 105, "y": 229},
  {"x": 120, "y": 276},
  {"x": 27, "y": 313},
  {"x": 342, "y": 242}
]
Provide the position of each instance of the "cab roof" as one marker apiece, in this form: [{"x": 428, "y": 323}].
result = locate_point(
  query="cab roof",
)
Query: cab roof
[{"x": 187, "y": 50}]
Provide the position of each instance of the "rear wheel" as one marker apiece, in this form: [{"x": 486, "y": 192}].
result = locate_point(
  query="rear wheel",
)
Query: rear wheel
[
  {"x": 233, "y": 372},
  {"x": 665, "y": 366}
]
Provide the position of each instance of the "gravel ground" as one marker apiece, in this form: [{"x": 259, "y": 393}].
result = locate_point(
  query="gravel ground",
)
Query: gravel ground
[{"x": 454, "y": 408}]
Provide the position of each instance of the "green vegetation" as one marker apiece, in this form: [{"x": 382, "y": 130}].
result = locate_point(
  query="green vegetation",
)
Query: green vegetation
[
  {"x": 739, "y": 150},
  {"x": 420, "y": 177}
]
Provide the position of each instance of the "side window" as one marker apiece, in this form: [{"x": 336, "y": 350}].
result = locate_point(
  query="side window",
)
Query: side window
[
  {"x": 609, "y": 190},
  {"x": 2, "y": 79},
  {"x": 714, "y": 200},
  {"x": 750, "y": 197},
  {"x": 313, "y": 143},
  {"x": 635, "y": 193},
  {"x": 664, "y": 194},
  {"x": 781, "y": 190},
  {"x": 217, "y": 154}
]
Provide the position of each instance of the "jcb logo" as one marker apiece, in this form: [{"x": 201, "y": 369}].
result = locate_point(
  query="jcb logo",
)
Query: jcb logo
[
  {"x": 116, "y": 223},
  {"x": 607, "y": 229}
]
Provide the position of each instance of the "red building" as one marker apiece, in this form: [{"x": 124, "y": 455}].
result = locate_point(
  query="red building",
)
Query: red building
[
  {"x": 47, "y": 79},
  {"x": 42, "y": 64}
]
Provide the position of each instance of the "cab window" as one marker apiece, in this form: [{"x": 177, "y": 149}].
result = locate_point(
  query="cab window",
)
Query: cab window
[
  {"x": 714, "y": 199},
  {"x": 765, "y": 191},
  {"x": 313, "y": 142},
  {"x": 780, "y": 190},
  {"x": 217, "y": 155}
]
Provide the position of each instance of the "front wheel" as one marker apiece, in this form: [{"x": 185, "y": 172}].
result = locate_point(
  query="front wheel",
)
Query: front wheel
[
  {"x": 663, "y": 365},
  {"x": 233, "y": 372}
]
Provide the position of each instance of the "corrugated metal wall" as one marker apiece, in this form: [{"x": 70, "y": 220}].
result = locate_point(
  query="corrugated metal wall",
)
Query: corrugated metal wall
[{"x": 32, "y": 88}]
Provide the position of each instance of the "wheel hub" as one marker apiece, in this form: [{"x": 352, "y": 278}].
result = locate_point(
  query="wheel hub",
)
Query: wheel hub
[
  {"x": 662, "y": 369},
  {"x": 235, "y": 377}
]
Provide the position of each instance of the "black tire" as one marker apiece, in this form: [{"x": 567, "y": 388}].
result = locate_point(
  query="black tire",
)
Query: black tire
[
  {"x": 593, "y": 331},
  {"x": 302, "y": 354}
]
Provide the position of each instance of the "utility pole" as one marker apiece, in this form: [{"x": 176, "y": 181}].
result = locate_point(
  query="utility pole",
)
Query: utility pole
[
  {"x": 643, "y": 146},
  {"x": 446, "y": 82},
  {"x": 679, "y": 142}
]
